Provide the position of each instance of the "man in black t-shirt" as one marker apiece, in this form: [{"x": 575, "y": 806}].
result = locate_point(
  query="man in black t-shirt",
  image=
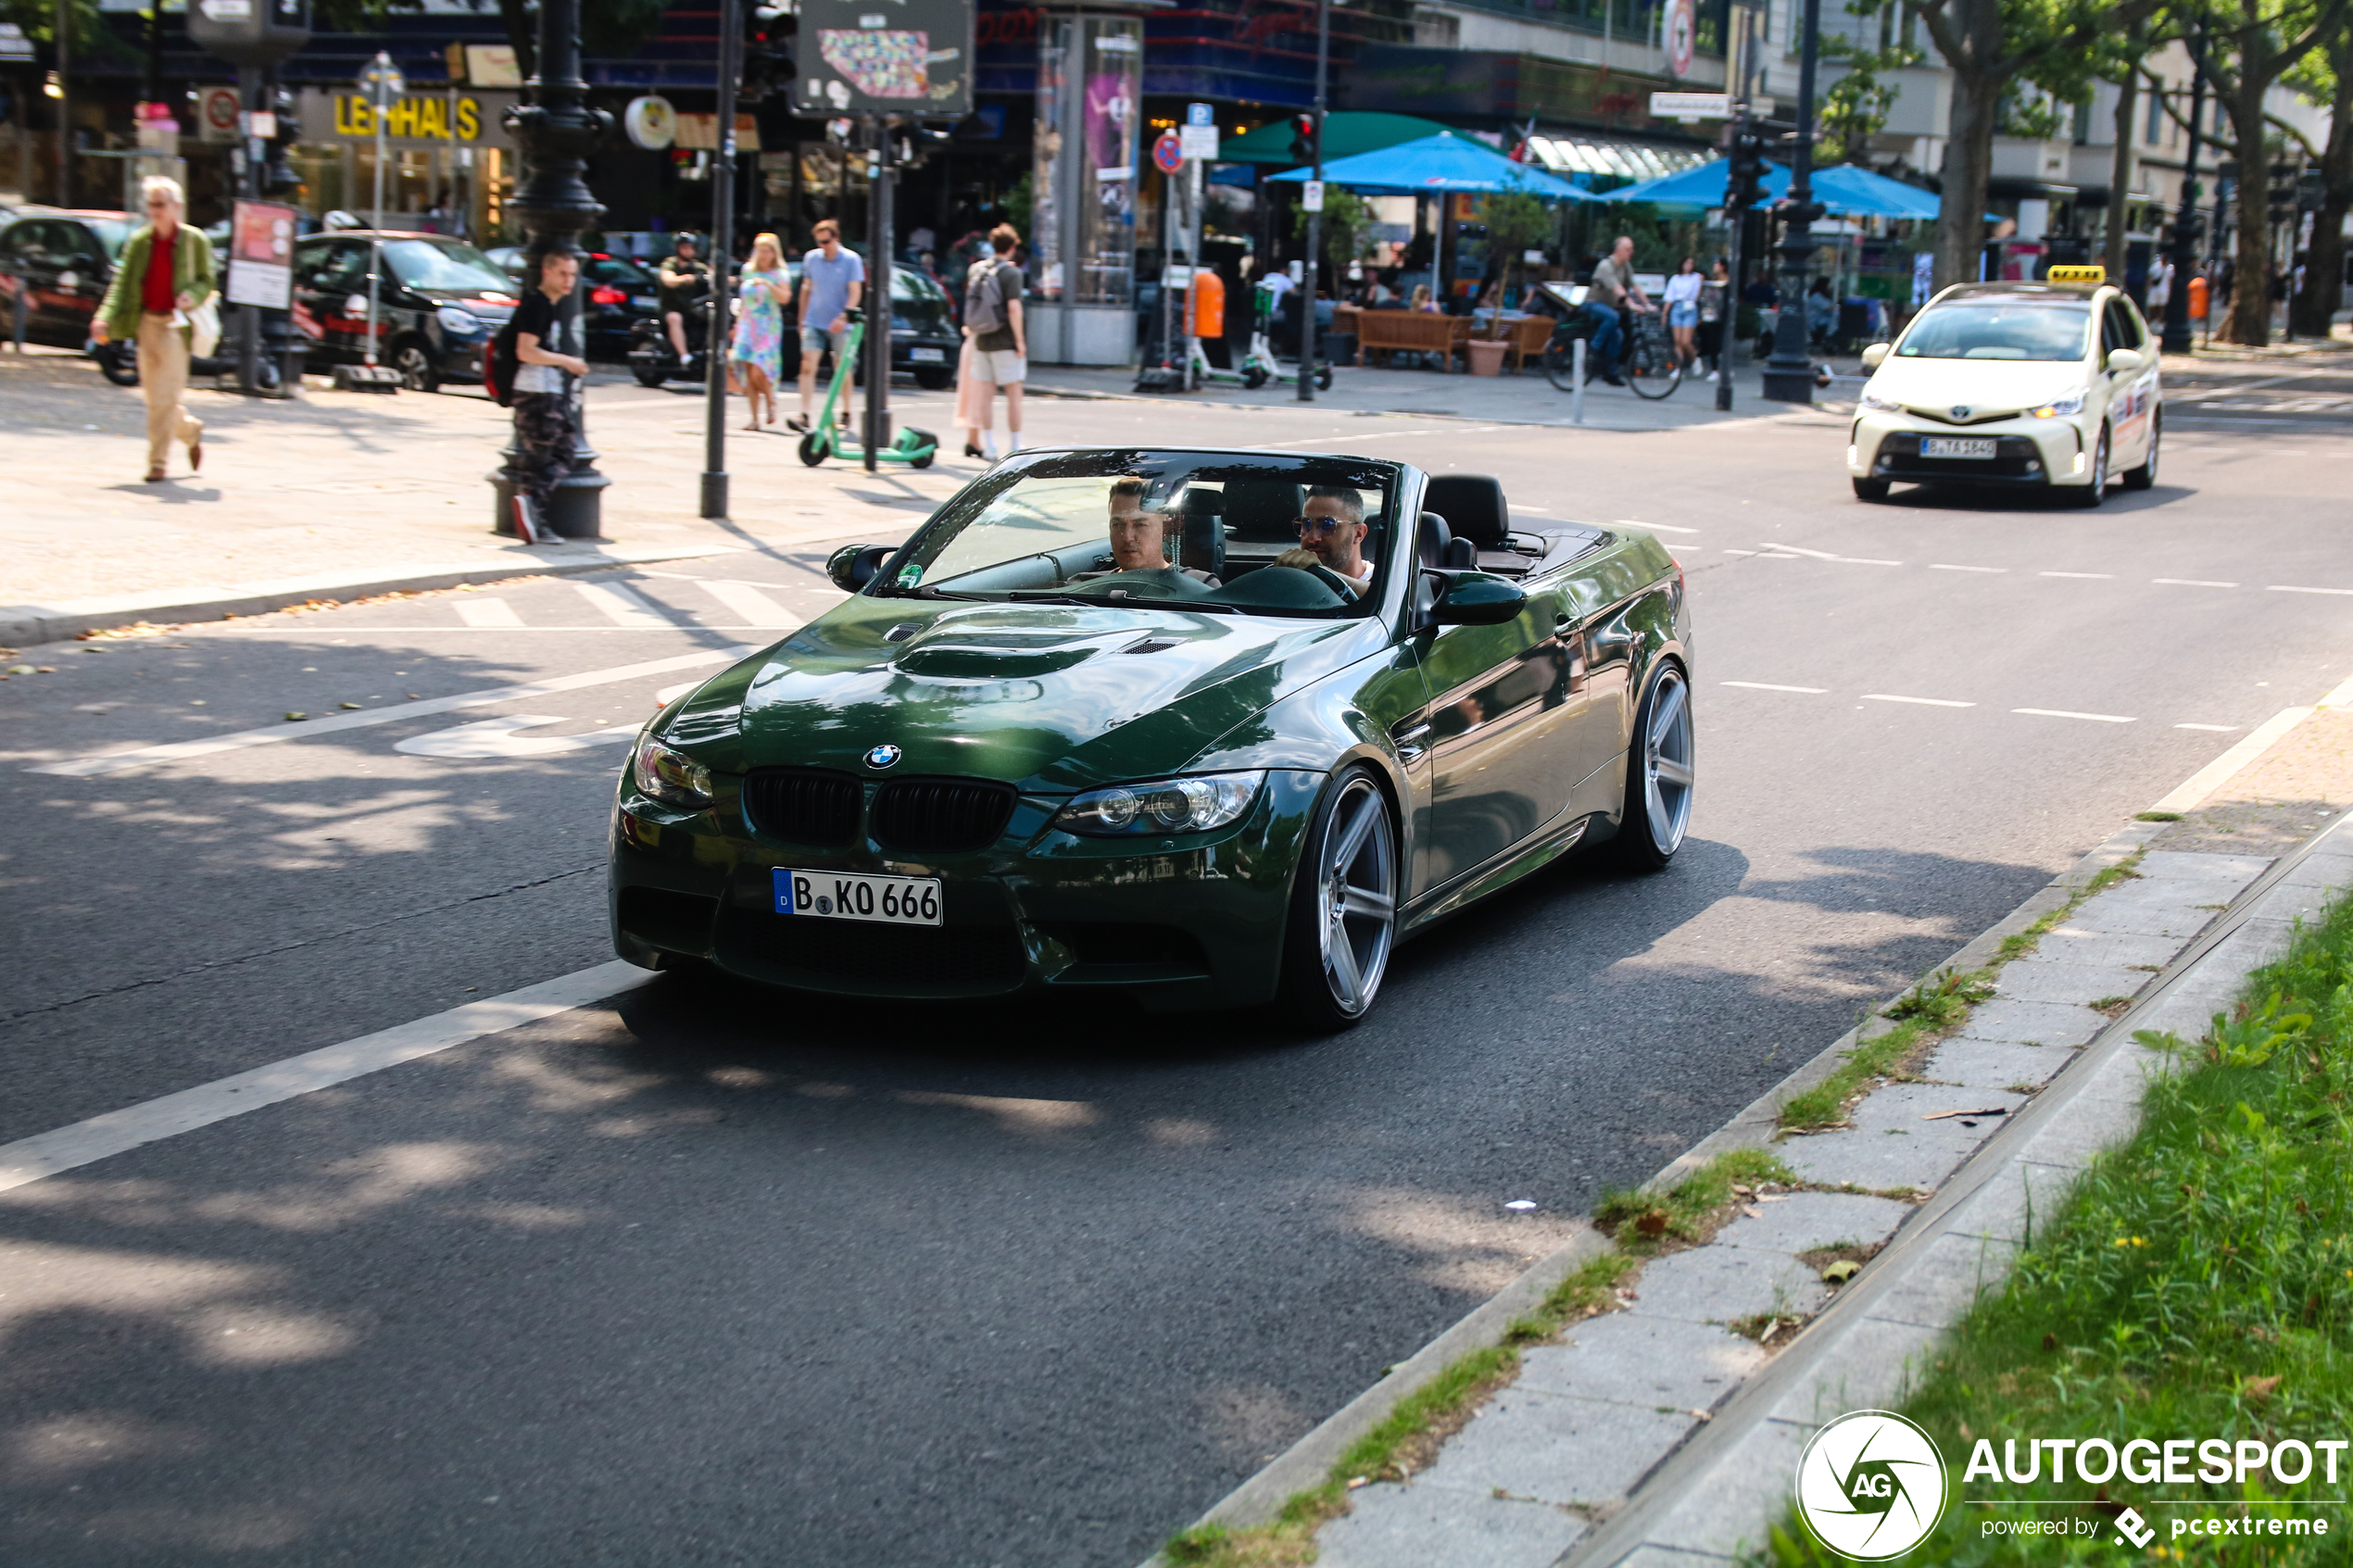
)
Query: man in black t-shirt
[
  {"x": 684, "y": 281},
  {"x": 547, "y": 344}
]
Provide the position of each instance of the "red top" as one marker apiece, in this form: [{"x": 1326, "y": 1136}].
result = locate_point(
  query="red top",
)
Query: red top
[{"x": 155, "y": 292}]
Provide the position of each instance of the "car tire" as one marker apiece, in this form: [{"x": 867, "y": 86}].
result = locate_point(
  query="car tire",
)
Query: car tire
[
  {"x": 1656, "y": 810},
  {"x": 1343, "y": 922},
  {"x": 934, "y": 380},
  {"x": 654, "y": 379},
  {"x": 1870, "y": 489},
  {"x": 413, "y": 359},
  {"x": 2094, "y": 490},
  {"x": 2145, "y": 476}
]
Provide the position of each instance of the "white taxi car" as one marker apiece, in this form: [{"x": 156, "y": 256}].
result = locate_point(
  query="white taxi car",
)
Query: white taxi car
[{"x": 2013, "y": 383}]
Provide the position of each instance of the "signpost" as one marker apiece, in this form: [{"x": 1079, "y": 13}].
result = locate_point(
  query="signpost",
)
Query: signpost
[
  {"x": 1692, "y": 105},
  {"x": 1199, "y": 136},
  {"x": 253, "y": 35},
  {"x": 384, "y": 85}
]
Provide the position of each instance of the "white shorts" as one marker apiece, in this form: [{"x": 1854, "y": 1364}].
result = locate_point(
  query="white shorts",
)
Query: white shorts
[{"x": 1001, "y": 366}]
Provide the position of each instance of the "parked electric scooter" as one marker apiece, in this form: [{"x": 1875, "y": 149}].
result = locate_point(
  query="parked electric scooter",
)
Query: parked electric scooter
[{"x": 915, "y": 448}]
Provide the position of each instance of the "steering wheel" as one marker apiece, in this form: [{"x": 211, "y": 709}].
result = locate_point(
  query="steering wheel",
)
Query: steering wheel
[{"x": 1348, "y": 593}]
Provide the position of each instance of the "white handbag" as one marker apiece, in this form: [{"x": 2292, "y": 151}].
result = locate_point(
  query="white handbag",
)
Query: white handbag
[{"x": 204, "y": 327}]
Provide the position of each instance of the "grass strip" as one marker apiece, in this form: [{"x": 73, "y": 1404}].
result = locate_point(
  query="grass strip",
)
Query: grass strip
[
  {"x": 2197, "y": 1282},
  {"x": 1930, "y": 1010},
  {"x": 1409, "y": 1436}
]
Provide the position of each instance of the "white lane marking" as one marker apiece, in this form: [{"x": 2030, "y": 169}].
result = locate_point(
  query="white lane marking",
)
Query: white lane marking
[
  {"x": 2341, "y": 697},
  {"x": 496, "y": 737},
  {"x": 1321, "y": 440},
  {"x": 2065, "y": 713},
  {"x": 756, "y": 607},
  {"x": 1923, "y": 701},
  {"x": 2218, "y": 728},
  {"x": 1730, "y": 551},
  {"x": 2215, "y": 774},
  {"x": 1653, "y": 527},
  {"x": 1940, "y": 565},
  {"x": 2192, "y": 582},
  {"x": 1540, "y": 511},
  {"x": 487, "y": 613},
  {"x": 1768, "y": 686},
  {"x": 45, "y": 1154},
  {"x": 1795, "y": 550},
  {"x": 623, "y": 607},
  {"x": 1825, "y": 554},
  {"x": 669, "y": 694},
  {"x": 2101, "y": 576},
  {"x": 115, "y": 761},
  {"x": 2289, "y": 588}
]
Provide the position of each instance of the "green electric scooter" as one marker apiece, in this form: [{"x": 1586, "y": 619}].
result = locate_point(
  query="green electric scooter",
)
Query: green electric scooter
[{"x": 915, "y": 448}]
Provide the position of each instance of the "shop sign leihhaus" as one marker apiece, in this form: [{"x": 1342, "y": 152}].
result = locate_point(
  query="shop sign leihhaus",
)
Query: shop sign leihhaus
[{"x": 424, "y": 118}]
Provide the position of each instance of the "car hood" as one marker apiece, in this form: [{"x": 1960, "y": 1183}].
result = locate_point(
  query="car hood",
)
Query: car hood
[
  {"x": 1051, "y": 698},
  {"x": 1981, "y": 383}
]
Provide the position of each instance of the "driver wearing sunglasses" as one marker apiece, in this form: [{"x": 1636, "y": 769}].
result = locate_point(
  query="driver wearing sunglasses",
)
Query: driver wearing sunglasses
[{"x": 1332, "y": 534}]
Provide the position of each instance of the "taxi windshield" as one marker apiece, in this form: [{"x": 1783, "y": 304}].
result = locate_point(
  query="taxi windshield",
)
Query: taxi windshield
[
  {"x": 1218, "y": 533},
  {"x": 2005, "y": 330}
]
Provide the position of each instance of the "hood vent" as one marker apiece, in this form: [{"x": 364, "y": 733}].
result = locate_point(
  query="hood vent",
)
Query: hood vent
[
  {"x": 1150, "y": 645},
  {"x": 903, "y": 631}
]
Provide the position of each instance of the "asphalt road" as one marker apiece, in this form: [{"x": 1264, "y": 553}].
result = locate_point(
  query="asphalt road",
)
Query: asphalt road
[{"x": 720, "y": 1277}]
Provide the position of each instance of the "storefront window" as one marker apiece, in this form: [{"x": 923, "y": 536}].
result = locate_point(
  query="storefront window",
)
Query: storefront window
[{"x": 1091, "y": 78}]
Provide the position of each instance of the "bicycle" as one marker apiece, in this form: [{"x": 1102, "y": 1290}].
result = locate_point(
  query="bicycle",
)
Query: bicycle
[{"x": 1647, "y": 363}]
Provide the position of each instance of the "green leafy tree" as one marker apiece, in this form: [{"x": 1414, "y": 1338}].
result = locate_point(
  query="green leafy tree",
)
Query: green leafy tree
[
  {"x": 1853, "y": 108},
  {"x": 1515, "y": 220},
  {"x": 1347, "y": 217}
]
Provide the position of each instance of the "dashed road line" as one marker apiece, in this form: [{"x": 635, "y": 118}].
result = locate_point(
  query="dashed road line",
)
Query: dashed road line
[
  {"x": 2218, "y": 728},
  {"x": 1923, "y": 701},
  {"x": 2065, "y": 713},
  {"x": 2291, "y": 588},
  {"x": 2101, "y": 576},
  {"x": 1769, "y": 686},
  {"x": 1941, "y": 566},
  {"x": 2190, "y": 582}
]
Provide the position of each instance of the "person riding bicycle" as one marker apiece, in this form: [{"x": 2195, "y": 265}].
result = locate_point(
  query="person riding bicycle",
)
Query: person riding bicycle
[{"x": 1612, "y": 294}]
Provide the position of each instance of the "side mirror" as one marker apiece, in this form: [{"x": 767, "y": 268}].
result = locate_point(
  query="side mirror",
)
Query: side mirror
[
  {"x": 854, "y": 566},
  {"x": 1876, "y": 355},
  {"x": 2126, "y": 361},
  {"x": 1474, "y": 598}
]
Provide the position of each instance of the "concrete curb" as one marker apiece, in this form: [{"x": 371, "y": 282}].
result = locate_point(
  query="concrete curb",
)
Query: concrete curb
[{"x": 24, "y": 626}]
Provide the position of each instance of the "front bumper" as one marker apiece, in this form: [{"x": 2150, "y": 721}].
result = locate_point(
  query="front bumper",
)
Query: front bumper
[
  {"x": 2027, "y": 451},
  {"x": 1194, "y": 921}
]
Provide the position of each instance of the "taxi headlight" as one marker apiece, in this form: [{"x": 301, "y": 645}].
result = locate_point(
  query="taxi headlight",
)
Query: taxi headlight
[
  {"x": 1194, "y": 805},
  {"x": 2070, "y": 404},
  {"x": 667, "y": 775},
  {"x": 1873, "y": 401}
]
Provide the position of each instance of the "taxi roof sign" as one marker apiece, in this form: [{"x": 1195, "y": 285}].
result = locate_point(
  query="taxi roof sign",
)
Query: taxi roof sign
[{"x": 2095, "y": 273}]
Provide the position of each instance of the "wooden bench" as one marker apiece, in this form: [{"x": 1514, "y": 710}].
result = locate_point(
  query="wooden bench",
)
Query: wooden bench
[{"x": 1417, "y": 332}]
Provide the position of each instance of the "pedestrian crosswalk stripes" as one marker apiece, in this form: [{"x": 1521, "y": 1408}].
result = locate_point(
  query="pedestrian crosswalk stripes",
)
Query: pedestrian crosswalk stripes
[
  {"x": 621, "y": 606},
  {"x": 487, "y": 613},
  {"x": 755, "y": 608}
]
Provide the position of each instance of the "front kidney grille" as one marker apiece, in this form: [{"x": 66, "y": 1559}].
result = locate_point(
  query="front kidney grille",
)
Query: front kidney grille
[
  {"x": 805, "y": 805},
  {"x": 936, "y": 816}
]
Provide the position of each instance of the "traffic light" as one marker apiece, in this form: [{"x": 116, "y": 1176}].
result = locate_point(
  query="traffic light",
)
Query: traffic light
[
  {"x": 1744, "y": 172},
  {"x": 1303, "y": 140},
  {"x": 771, "y": 32}
]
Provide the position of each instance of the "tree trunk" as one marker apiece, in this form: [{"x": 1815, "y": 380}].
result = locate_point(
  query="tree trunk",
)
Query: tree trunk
[
  {"x": 2120, "y": 183},
  {"x": 2317, "y": 306},
  {"x": 2251, "y": 286},
  {"x": 1969, "y": 165}
]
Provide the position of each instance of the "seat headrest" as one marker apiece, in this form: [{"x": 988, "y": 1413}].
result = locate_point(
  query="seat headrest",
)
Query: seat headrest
[
  {"x": 1203, "y": 547},
  {"x": 1431, "y": 539},
  {"x": 1473, "y": 506},
  {"x": 1263, "y": 510},
  {"x": 1460, "y": 555}
]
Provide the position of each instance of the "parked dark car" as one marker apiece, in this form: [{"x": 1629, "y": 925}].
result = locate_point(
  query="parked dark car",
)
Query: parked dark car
[
  {"x": 620, "y": 294},
  {"x": 439, "y": 301},
  {"x": 63, "y": 259}
]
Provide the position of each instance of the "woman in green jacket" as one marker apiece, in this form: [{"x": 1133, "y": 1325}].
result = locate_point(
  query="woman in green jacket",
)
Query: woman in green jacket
[{"x": 165, "y": 271}]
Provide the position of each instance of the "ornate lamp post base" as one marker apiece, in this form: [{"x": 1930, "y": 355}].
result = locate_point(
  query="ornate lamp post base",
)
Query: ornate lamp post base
[{"x": 575, "y": 511}]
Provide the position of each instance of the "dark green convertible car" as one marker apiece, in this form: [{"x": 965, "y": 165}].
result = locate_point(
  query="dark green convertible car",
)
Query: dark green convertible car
[{"x": 1207, "y": 728}]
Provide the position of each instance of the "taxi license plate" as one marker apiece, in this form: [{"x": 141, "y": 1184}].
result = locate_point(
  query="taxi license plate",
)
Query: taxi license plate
[
  {"x": 1956, "y": 446},
  {"x": 928, "y": 355},
  {"x": 892, "y": 901}
]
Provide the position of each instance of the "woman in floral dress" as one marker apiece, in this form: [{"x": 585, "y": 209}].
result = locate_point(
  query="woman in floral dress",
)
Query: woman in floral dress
[{"x": 756, "y": 352}]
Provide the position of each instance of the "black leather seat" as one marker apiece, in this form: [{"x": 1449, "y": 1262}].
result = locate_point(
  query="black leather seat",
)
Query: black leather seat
[
  {"x": 1203, "y": 547},
  {"x": 1436, "y": 546},
  {"x": 1474, "y": 508}
]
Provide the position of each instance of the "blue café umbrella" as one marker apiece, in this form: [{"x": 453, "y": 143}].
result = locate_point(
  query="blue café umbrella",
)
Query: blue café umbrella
[
  {"x": 1700, "y": 185},
  {"x": 1843, "y": 188},
  {"x": 1441, "y": 163}
]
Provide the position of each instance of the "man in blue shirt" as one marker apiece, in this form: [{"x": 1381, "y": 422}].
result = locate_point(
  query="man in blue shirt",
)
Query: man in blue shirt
[{"x": 832, "y": 283}]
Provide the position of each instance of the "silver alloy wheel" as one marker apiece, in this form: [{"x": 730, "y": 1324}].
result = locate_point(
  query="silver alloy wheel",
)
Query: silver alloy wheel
[
  {"x": 2148, "y": 464},
  {"x": 1356, "y": 896},
  {"x": 2097, "y": 491},
  {"x": 1666, "y": 762}
]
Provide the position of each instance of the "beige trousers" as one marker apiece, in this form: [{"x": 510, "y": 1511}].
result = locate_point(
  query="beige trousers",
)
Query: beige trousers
[{"x": 163, "y": 379}]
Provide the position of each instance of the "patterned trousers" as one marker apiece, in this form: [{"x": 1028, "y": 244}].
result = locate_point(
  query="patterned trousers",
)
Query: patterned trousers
[{"x": 547, "y": 434}]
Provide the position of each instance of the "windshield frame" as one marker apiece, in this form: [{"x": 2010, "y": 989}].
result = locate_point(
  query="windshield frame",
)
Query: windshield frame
[
  {"x": 1382, "y": 544},
  {"x": 2087, "y": 319}
]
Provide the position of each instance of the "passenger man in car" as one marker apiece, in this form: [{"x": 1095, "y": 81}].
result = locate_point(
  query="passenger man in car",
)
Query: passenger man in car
[
  {"x": 1332, "y": 534},
  {"x": 1139, "y": 536}
]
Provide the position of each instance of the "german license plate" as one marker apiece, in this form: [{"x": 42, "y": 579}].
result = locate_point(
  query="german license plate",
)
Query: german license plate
[
  {"x": 928, "y": 355},
  {"x": 643, "y": 301},
  {"x": 893, "y": 900},
  {"x": 1956, "y": 446}
]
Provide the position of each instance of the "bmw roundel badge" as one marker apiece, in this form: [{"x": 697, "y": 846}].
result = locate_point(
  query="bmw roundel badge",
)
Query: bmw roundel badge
[{"x": 884, "y": 756}]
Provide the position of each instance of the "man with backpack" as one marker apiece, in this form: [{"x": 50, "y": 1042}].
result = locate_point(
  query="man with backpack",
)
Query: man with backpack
[
  {"x": 1000, "y": 340},
  {"x": 545, "y": 392}
]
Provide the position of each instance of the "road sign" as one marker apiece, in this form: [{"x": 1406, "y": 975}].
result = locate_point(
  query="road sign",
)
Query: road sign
[
  {"x": 859, "y": 57},
  {"x": 381, "y": 82},
  {"x": 1692, "y": 105},
  {"x": 1682, "y": 25},
  {"x": 1168, "y": 153},
  {"x": 1199, "y": 134},
  {"x": 1311, "y": 195},
  {"x": 217, "y": 111}
]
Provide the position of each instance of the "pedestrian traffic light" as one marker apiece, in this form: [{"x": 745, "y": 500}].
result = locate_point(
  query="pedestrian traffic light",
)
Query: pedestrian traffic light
[
  {"x": 1744, "y": 172},
  {"x": 1303, "y": 140},
  {"x": 770, "y": 34}
]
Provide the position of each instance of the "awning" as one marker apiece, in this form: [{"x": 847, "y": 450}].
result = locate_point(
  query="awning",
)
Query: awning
[{"x": 1594, "y": 155}]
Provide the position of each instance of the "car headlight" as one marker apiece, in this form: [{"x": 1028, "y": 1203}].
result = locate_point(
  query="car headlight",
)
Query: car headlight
[
  {"x": 1872, "y": 400},
  {"x": 669, "y": 776},
  {"x": 1194, "y": 805},
  {"x": 2070, "y": 404},
  {"x": 457, "y": 320}
]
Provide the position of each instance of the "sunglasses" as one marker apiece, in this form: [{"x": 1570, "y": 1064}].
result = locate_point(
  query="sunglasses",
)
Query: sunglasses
[{"x": 1318, "y": 524}]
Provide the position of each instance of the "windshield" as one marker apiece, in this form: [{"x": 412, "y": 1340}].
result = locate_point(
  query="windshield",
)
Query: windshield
[
  {"x": 2006, "y": 331},
  {"x": 918, "y": 304},
  {"x": 617, "y": 271},
  {"x": 1208, "y": 531},
  {"x": 112, "y": 234},
  {"x": 444, "y": 265}
]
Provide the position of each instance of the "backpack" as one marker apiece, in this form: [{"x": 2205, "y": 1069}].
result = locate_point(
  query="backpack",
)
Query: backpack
[
  {"x": 499, "y": 364},
  {"x": 985, "y": 296}
]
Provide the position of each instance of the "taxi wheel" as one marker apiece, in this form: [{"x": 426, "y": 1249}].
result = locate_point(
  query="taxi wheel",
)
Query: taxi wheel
[
  {"x": 2095, "y": 492},
  {"x": 2145, "y": 475},
  {"x": 1870, "y": 489}
]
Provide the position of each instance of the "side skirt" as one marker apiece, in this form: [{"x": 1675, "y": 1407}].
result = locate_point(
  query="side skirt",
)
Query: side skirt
[{"x": 1518, "y": 863}]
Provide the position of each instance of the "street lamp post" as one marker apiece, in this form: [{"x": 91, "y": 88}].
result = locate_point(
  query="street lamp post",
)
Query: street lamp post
[
  {"x": 1315, "y": 214},
  {"x": 721, "y": 251},
  {"x": 556, "y": 132},
  {"x": 2175, "y": 337},
  {"x": 1789, "y": 374},
  {"x": 385, "y": 85}
]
